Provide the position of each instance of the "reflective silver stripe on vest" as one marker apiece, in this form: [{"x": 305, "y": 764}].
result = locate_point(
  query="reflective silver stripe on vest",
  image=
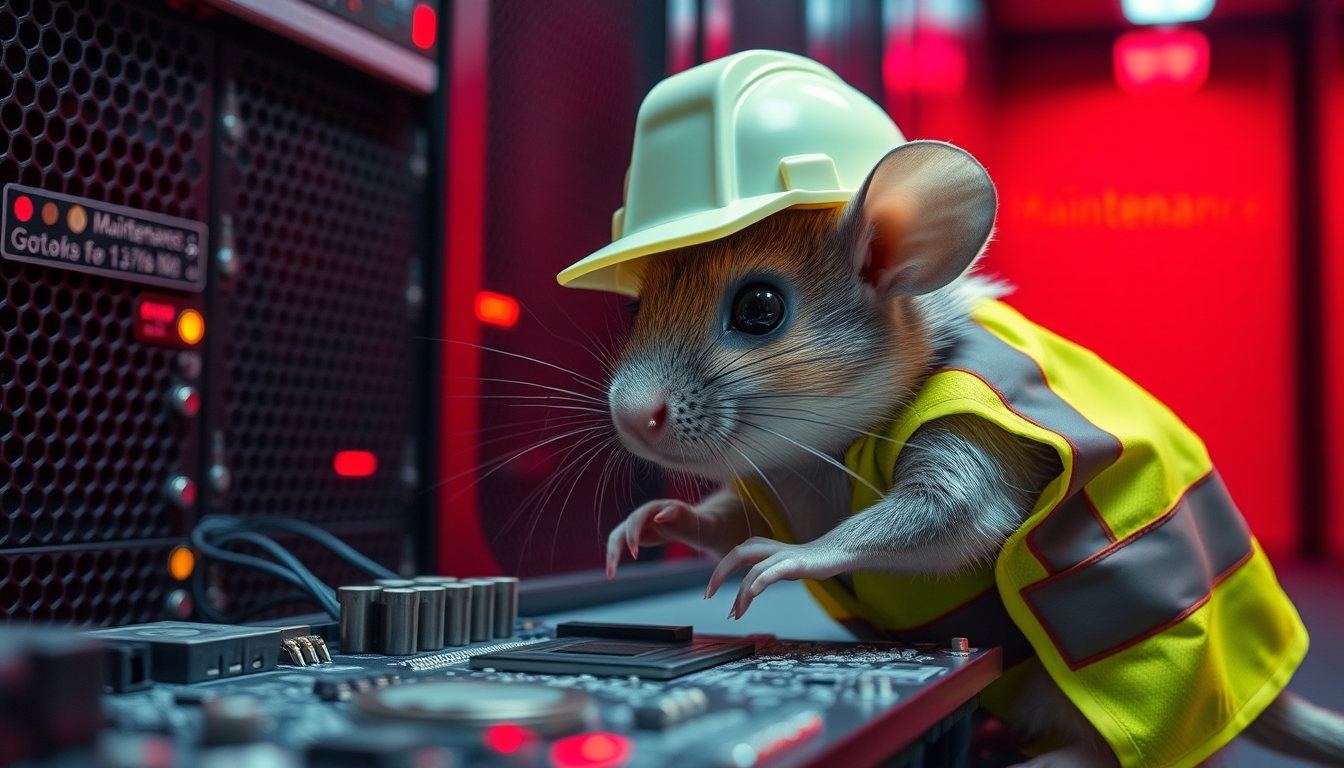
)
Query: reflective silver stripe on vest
[
  {"x": 1147, "y": 582},
  {"x": 1059, "y": 539},
  {"x": 1019, "y": 380},
  {"x": 1070, "y": 534}
]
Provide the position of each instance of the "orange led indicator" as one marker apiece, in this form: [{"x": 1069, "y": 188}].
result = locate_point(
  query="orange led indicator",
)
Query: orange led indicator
[
  {"x": 181, "y": 562},
  {"x": 23, "y": 208},
  {"x": 424, "y": 26},
  {"x": 496, "y": 309},
  {"x": 190, "y": 326},
  {"x": 355, "y": 463}
]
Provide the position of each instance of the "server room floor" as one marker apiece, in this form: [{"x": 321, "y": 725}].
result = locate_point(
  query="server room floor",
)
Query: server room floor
[{"x": 788, "y": 611}]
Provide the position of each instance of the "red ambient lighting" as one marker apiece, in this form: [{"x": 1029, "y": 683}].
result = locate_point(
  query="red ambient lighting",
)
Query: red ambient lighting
[
  {"x": 424, "y": 26},
  {"x": 496, "y": 309},
  {"x": 23, "y": 208},
  {"x": 590, "y": 750},
  {"x": 507, "y": 739},
  {"x": 934, "y": 64},
  {"x": 1172, "y": 61},
  {"x": 355, "y": 463}
]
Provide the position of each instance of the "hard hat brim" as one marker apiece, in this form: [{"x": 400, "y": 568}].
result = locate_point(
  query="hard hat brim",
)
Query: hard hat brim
[{"x": 617, "y": 267}]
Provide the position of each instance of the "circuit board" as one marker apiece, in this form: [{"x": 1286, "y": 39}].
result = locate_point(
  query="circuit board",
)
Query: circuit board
[{"x": 781, "y": 703}]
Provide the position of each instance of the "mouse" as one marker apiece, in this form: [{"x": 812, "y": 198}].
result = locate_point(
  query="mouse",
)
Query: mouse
[
  {"x": 814, "y": 338},
  {"x": 879, "y": 423}
]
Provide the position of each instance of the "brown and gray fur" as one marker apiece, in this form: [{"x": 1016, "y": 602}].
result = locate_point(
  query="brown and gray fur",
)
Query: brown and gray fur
[{"x": 781, "y": 410}]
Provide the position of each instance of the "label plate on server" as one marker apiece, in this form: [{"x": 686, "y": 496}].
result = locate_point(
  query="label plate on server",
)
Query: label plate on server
[{"x": 85, "y": 235}]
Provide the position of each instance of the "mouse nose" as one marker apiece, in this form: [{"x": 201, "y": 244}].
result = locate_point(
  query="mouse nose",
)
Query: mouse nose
[{"x": 644, "y": 420}]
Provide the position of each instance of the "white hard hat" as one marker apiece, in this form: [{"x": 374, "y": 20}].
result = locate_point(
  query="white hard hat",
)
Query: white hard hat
[{"x": 725, "y": 144}]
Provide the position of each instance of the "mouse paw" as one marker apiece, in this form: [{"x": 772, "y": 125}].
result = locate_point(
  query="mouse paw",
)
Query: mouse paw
[{"x": 772, "y": 561}]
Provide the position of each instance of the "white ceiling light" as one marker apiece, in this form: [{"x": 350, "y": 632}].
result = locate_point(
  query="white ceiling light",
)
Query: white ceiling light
[{"x": 1165, "y": 11}]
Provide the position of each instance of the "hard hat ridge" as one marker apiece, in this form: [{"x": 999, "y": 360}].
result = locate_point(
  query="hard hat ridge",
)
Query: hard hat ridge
[{"x": 725, "y": 144}]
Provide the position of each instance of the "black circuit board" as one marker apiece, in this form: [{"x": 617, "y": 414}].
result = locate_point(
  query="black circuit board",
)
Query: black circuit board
[{"x": 825, "y": 683}]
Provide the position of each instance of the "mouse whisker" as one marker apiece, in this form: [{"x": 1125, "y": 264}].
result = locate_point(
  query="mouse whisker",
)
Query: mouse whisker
[
  {"x": 536, "y": 503},
  {"x": 775, "y": 413},
  {"x": 585, "y": 379},
  {"x": 828, "y": 459},
  {"x": 548, "y": 387}
]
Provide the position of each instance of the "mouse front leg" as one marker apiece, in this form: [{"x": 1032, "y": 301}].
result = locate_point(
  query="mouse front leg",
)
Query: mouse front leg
[
  {"x": 960, "y": 487},
  {"x": 716, "y": 524}
]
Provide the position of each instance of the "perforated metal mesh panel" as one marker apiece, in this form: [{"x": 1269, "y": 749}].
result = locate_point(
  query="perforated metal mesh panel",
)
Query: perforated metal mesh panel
[
  {"x": 314, "y": 338},
  {"x": 565, "y": 85},
  {"x": 111, "y": 101},
  {"x": 98, "y": 586}
]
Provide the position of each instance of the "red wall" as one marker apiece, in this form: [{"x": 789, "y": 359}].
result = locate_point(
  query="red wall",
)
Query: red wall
[
  {"x": 1157, "y": 230},
  {"x": 1332, "y": 206}
]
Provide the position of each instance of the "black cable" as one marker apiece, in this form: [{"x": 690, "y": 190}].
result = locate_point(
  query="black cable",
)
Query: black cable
[
  {"x": 324, "y": 538},
  {"x": 224, "y": 530}
]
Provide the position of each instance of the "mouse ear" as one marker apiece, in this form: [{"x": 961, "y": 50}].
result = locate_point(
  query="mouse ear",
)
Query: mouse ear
[{"x": 929, "y": 207}]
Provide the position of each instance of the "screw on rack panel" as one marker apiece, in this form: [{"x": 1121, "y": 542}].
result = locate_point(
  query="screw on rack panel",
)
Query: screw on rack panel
[
  {"x": 226, "y": 257},
  {"x": 186, "y": 400},
  {"x": 415, "y": 291},
  {"x": 189, "y": 364},
  {"x": 231, "y": 119},
  {"x": 178, "y": 604},
  {"x": 181, "y": 492},
  {"x": 220, "y": 477},
  {"x": 410, "y": 473},
  {"x": 420, "y": 156},
  {"x": 961, "y": 646}
]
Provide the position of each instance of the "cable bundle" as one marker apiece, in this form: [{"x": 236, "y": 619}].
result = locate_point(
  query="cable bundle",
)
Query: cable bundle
[{"x": 213, "y": 533}]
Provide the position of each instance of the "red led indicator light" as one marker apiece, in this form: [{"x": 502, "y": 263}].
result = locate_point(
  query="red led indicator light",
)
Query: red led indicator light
[
  {"x": 424, "y": 26},
  {"x": 496, "y": 309},
  {"x": 507, "y": 739},
  {"x": 590, "y": 750},
  {"x": 1172, "y": 61},
  {"x": 23, "y": 208},
  {"x": 355, "y": 463}
]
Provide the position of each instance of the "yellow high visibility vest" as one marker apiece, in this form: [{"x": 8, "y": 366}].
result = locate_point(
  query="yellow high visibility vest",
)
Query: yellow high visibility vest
[{"x": 1134, "y": 582}]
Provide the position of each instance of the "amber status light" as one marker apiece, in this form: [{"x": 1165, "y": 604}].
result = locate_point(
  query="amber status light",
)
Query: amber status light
[{"x": 496, "y": 309}]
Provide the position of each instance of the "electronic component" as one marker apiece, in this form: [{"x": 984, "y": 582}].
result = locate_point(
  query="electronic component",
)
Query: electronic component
[
  {"x": 506, "y": 605},
  {"x": 126, "y": 667},
  {"x": 359, "y": 618},
  {"x": 432, "y": 605},
  {"x": 598, "y": 656},
  {"x": 482, "y": 609},
  {"x": 50, "y": 686},
  {"x": 182, "y": 652},
  {"x": 228, "y": 720},
  {"x": 401, "y": 615},
  {"x": 547, "y": 710},
  {"x": 342, "y": 688},
  {"x": 678, "y": 706},
  {"x": 305, "y": 650},
  {"x": 457, "y": 614},
  {"x": 378, "y": 748},
  {"x": 651, "y": 632}
]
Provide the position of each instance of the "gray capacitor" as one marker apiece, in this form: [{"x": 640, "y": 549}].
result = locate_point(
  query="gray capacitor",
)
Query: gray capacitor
[
  {"x": 360, "y": 611},
  {"x": 386, "y": 583},
  {"x": 401, "y": 613},
  {"x": 506, "y": 604},
  {"x": 430, "y": 637},
  {"x": 457, "y": 614},
  {"x": 482, "y": 609}
]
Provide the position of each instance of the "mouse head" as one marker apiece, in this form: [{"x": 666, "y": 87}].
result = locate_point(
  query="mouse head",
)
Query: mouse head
[{"x": 792, "y": 337}]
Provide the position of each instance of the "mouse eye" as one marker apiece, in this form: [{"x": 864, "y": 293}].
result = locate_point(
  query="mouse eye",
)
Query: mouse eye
[{"x": 758, "y": 309}]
